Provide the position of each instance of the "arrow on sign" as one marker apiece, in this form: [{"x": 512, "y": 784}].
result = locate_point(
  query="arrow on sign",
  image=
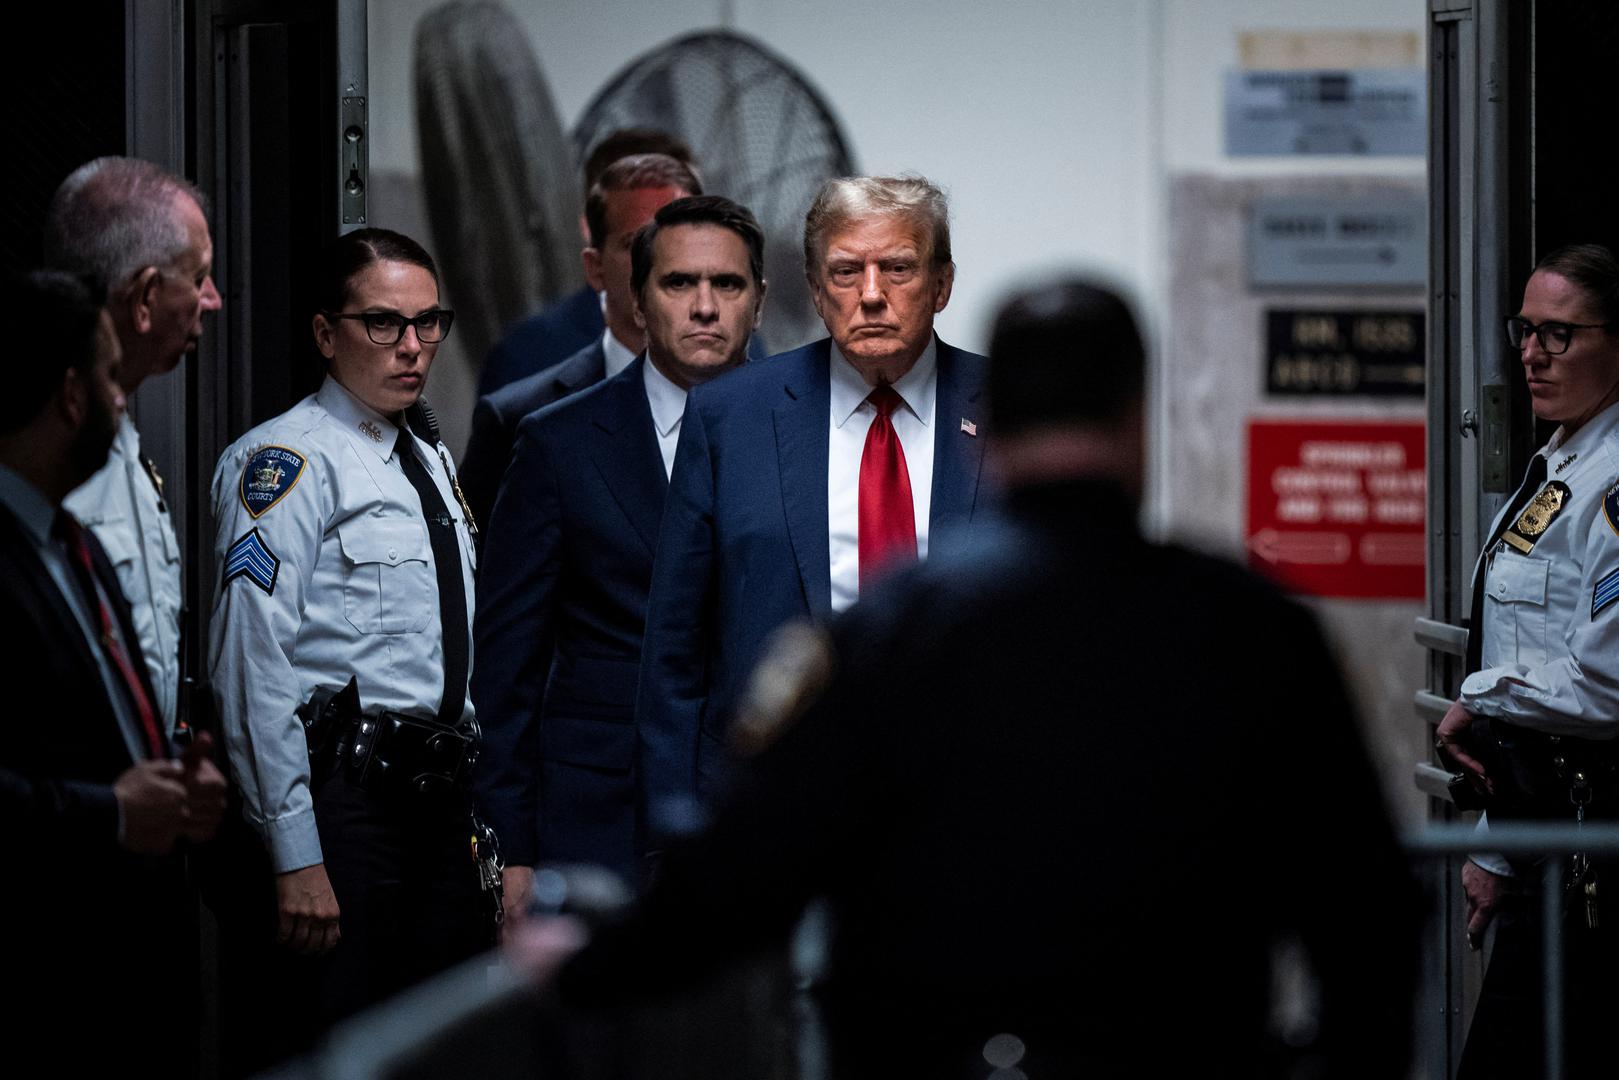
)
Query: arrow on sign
[{"x": 1303, "y": 548}]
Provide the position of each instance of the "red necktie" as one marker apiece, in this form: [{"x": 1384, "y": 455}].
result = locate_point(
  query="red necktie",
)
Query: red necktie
[
  {"x": 72, "y": 534},
  {"x": 887, "y": 527}
]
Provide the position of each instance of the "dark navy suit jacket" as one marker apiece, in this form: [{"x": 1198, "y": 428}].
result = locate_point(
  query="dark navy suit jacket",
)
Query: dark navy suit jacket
[
  {"x": 744, "y": 549},
  {"x": 544, "y": 339},
  {"x": 496, "y": 416},
  {"x": 561, "y": 601},
  {"x": 62, "y": 752}
]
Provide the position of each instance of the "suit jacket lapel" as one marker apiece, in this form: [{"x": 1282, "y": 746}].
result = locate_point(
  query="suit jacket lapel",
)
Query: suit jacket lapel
[
  {"x": 958, "y": 457},
  {"x": 58, "y": 616},
  {"x": 801, "y": 454},
  {"x": 626, "y": 453},
  {"x": 572, "y": 378}
]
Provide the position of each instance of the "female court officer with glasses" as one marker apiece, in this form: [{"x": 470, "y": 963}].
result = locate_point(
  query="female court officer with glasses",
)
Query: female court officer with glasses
[
  {"x": 1543, "y": 665},
  {"x": 345, "y": 554}
]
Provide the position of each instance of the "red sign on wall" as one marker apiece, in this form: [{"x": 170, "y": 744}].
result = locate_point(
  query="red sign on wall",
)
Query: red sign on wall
[{"x": 1337, "y": 509}]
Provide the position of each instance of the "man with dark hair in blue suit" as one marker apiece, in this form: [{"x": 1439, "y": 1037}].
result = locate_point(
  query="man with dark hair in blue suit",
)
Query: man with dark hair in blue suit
[
  {"x": 624, "y": 198},
  {"x": 548, "y": 337},
  {"x": 563, "y": 589},
  {"x": 800, "y": 479}
]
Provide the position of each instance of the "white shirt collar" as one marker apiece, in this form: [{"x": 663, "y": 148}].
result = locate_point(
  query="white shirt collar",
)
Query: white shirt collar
[
  {"x": 615, "y": 354},
  {"x": 365, "y": 425},
  {"x": 128, "y": 440},
  {"x": 916, "y": 387},
  {"x": 29, "y": 504},
  {"x": 1593, "y": 431},
  {"x": 667, "y": 400}
]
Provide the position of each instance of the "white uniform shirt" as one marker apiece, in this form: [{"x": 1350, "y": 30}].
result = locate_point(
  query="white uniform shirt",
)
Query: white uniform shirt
[
  {"x": 122, "y": 506},
  {"x": 851, "y": 420},
  {"x": 1550, "y": 650},
  {"x": 326, "y": 572}
]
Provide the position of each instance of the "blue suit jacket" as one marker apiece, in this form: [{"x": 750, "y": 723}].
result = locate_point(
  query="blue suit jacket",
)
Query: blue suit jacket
[
  {"x": 561, "y": 602},
  {"x": 496, "y": 416},
  {"x": 744, "y": 549},
  {"x": 544, "y": 339}
]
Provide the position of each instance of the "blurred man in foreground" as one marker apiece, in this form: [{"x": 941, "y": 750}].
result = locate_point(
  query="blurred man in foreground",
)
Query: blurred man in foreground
[{"x": 1036, "y": 856}]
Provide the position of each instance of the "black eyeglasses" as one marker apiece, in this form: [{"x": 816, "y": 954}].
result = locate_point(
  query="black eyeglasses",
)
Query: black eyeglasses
[
  {"x": 1555, "y": 337},
  {"x": 388, "y": 327}
]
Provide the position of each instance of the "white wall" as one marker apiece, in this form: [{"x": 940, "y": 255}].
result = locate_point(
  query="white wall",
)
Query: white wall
[{"x": 1052, "y": 123}]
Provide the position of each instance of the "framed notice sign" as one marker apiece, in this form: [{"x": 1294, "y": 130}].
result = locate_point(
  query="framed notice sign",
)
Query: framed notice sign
[{"x": 1339, "y": 353}]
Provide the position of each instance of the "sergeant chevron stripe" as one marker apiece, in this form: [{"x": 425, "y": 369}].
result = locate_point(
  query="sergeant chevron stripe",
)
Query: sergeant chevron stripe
[
  {"x": 252, "y": 559},
  {"x": 1605, "y": 593}
]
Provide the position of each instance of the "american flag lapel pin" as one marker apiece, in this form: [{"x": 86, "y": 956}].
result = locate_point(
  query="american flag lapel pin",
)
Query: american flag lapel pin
[{"x": 969, "y": 427}]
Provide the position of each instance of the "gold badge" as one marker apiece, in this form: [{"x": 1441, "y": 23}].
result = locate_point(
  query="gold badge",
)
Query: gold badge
[
  {"x": 1537, "y": 516},
  {"x": 797, "y": 663}
]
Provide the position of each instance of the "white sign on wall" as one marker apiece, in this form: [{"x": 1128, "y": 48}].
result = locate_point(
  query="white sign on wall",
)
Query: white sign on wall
[{"x": 1374, "y": 111}]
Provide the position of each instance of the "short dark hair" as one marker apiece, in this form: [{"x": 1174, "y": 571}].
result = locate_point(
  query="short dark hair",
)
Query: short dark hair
[
  {"x": 353, "y": 251},
  {"x": 60, "y": 330},
  {"x": 697, "y": 210},
  {"x": 628, "y": 142},
  {"x": 634, "y": 173},
  {"x": 1065, "y": 353},
  {"x": 1593, "y": 270}
]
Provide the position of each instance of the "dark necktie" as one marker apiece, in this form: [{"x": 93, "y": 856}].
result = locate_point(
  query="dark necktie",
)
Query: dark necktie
[
  {"x": 452, "y": 596},
  {"x": 1475, "y": 627},
  {"x": 71, "y": 533},
  {"x": 887, "y": 526}
]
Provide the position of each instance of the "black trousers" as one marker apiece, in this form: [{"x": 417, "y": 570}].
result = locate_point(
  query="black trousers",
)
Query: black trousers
[
  {"x": 1506, "y": 1040},
  {"x": 407, "y": 888}
]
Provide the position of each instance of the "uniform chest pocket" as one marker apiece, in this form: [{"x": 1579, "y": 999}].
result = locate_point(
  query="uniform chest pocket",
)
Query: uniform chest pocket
[
  {"x": 388, "y": 583},
  {"x": 1515, "y": 619}
]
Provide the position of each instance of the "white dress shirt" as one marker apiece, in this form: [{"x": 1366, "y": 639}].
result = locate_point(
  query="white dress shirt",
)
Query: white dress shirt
[
  {"x": 333, "y": 579},
  {"x": 851, "y": 420},
  {"x": 668, "y": 404},
  {"x": 122, "y": 506}
]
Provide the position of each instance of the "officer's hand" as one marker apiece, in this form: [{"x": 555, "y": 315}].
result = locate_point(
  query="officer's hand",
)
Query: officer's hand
[
  {"x": 1451, "y": 730},
  {"x": 308, "y": 910},
  {"x": 151, "y": 798},
  {"x": 1483, "y": 891},
  {"x": 205, "y": 789},
  {"x": 517, "y": 884}
]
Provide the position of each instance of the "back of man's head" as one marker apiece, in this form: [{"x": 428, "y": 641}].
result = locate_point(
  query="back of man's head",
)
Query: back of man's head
[
  {"x": 635, "y": 173},
  {"x": 62, "y": 318},
  {"x": 628, "y": 142},
  {"x": 1064, "y": 354},
  {"x": 114, "y": 216}
]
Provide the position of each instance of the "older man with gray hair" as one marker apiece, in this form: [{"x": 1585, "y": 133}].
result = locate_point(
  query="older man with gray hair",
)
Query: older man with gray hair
[
  {"x": 141, "y": 232},
  {"x": 801, "y": 479}
]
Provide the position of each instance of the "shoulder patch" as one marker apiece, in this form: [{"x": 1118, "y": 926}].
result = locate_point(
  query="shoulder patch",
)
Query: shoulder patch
[
  {"x": 1610, "y": 508},
  {"x": 251, "y": 558},
  {"x": 1605, "y": 593},
  {"x": 796, "y": 666},
  {"x": 267, "y": 477}
]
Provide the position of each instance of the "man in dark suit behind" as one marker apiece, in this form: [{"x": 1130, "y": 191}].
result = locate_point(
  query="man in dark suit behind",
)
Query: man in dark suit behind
[
  {"x": 92, "y": 799},
  {"x": 800, "y": 479},
  {"x": 548, "y": 337},
  {"x": 562, "y": 591},
  {"x": 622, "y": 199}
]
